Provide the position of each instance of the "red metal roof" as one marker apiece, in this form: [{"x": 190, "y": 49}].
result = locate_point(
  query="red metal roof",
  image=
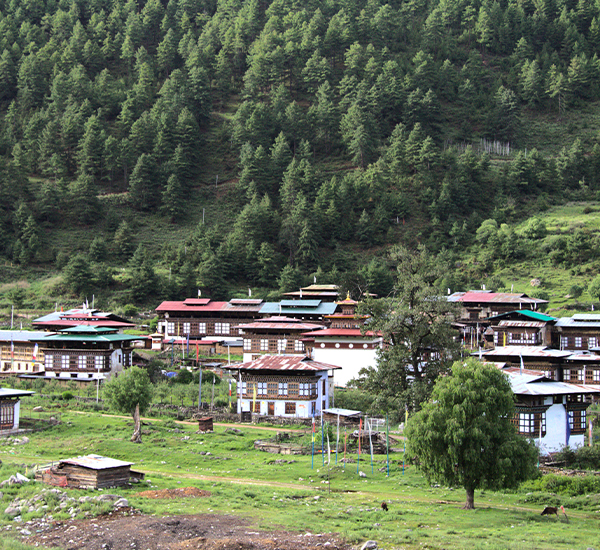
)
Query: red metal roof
[
  {"x": 347, "y": 332},
  {"x": 498, "y": 298},
  {"x": 284, "y": 362},
  {"x": 189, "y": 307}
]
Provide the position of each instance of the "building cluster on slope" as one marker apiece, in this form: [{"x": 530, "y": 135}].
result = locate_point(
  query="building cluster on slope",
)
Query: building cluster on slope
[{"x": 553, "y": 363}]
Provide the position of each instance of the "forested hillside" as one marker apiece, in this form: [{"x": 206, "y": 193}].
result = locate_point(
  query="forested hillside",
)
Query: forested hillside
[{"x": 226, "y": 144}]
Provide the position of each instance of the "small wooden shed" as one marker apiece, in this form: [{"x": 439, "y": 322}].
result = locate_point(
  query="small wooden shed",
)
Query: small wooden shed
[
  {"x": 90, "y": 472},
  {"x": 205, "y": 424}
]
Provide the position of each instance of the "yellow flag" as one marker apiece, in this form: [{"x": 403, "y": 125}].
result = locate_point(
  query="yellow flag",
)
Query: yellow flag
[
  {"x": 505, "y": 338},
  {"x": 254, "y": 397}
]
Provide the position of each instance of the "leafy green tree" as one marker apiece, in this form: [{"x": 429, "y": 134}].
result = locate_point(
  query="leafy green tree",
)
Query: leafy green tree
[
  {"x": 123, "y": 240},
  {"x": 594, "y": 288},
  {"x": 78, "y": 275},
  {"x": 416, "y": 323},
  {"x": 464, "y": 436},
  {"x": 130, "y": 393},
  {"x": 144, "y": 188}
]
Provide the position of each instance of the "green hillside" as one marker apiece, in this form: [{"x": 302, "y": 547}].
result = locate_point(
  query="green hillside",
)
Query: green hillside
[{"x": 148, "y": 149}]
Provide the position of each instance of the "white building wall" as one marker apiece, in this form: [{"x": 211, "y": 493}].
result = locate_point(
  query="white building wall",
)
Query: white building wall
[
  {"x": 556, "y": 431},
  {"x": 17, "y": 415},
  {"x": 351, "y": 361}
]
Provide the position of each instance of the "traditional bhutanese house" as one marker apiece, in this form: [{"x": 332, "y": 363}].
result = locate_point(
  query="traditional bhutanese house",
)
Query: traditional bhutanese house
[
  {"x": 86, "y": 353},
  {"x": 280, "y": 385},
  {"x": 540, "y": 359},
  {"x": 90, "y": 472},
  {"x": 60, "y": 320},
  {"x": 324, "y": 293},
  {"x": 551, "y": 413},
  {"x": 19, "y": 353},
  {"x": 579, "y": 332},
  {"x": 582, "y": 367},
  {"x": 307, "y": 310},
  {"x": 275, "y": 335},
  {"x": 343, "y": 344},
  {"x": 522, "y": 328},
  {"x": 10, "y": 406},
  {"x": 478, "y": 306},
  {"x": 203, "y": 317}
]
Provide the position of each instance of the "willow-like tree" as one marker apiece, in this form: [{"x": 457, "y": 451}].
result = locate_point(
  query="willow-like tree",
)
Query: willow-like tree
[
  {"x": 131, "y": 393},
  {"x": 464, "y": 437}
]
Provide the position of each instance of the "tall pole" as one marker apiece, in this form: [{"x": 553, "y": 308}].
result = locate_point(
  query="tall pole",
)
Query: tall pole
[
  {"x": 387, "y": 444},
  {"x": 200, "y": 388}
]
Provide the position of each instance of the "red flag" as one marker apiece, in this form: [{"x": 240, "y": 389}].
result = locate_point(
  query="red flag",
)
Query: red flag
[{"x": 229, "y": 387}]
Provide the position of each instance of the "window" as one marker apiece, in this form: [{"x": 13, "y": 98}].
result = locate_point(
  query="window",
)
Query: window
[
  {"x": 529, "y": 423},
  {"x": 244, "y": 388},
  {"x": 564, "y": 342},
  {"x": 299, "y": 345},
  {"x": 247, "y": 344},
  {"x": 577, "y": 421},
  {"x": 272, "y": 388},
  {"x": 7, "y": 414},
  {"x": 201, "y": 328},
  {"x": 580, "y": 375},
  {"x": 290, "y": 408},
  {"x": 261, "y": 388},
  {"x": 171, "y": 327},
  {"x": 283, "y": 388},
  {"x": 65, "y": 361},
  {"x": 264, "y": 345},
  {"x": 578, "y": 341},
  {"x": 281, "y": 345},
  {"x": 592, "y": 342},
  {"x": 49, "y": 361},
  {"x": 255, "y": 407},
  {"x": 187, "y": 328},
  {"x": 293, "y": 388},
  {"x": 495, "y": 339},
  {"x": 99, "y": 360},
  {"x": 596, "y": 375},
  {"x": 567, "y": 375},
  {"x": 304, "y": 390},
  {"x": 221, "y": 328},
  {"x": 82, "y": 361}
]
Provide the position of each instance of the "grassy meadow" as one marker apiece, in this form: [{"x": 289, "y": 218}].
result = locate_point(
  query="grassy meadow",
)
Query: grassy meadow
[{"x": 283, "y": 491}]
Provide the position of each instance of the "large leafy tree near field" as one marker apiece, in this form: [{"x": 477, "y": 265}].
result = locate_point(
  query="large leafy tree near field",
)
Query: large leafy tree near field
[
  {"x": 463, "y": 436},
  {"x": 130, "y": 393},
  {"x": 416, "y": 324}
]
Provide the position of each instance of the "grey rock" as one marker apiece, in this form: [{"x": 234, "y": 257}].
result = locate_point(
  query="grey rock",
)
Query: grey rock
[
  {"x": 369, "y": 545},
  {"x": 121, "y": 503}
]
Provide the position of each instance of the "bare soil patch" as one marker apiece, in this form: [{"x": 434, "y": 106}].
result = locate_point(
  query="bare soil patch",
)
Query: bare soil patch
[
  {"x": 180, "y": 492},
  {"x": 128, "y": 528}
]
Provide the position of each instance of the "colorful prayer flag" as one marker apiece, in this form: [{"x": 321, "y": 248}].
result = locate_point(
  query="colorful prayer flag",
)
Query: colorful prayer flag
[{"x": 35, "y": 352}]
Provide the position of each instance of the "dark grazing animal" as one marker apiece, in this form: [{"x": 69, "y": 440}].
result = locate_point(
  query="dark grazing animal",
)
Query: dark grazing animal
[
  {"x": 549, "y": 510},
  {"x": 384, "y": 507}
]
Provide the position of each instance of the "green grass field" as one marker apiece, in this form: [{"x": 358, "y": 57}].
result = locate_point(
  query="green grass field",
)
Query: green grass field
[{"x": 288, "y": 495}]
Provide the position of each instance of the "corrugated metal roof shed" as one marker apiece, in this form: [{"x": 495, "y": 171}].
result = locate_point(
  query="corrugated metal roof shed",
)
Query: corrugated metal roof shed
[
  {"x": 526, "y": 313},
  {"x": 588, "y": 321},
  {"x": 96, "y": 462}
]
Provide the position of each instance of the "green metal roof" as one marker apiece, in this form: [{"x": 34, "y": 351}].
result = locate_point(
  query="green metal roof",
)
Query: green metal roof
[
  {"x": 528, "y": 313},
  {"x": 89, "y": 329},
  {"x": 90, "y": 338}
]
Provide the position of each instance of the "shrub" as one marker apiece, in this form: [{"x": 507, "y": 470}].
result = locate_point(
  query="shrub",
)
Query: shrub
[{"x": 66, "y": 395}]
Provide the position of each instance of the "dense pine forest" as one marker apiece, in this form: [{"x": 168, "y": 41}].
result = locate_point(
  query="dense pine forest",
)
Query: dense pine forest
[{"x": 148, "y": 149}]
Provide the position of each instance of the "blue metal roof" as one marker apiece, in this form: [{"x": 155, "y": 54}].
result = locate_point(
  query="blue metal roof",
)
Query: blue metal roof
[{"x": 322, "y": 308}]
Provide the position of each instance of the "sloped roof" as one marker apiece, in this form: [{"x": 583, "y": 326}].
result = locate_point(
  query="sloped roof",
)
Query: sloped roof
[
  {"x": 8, "y": 392},
  {"x": 494, "y": 297},
  {"x": 527, "y": 351},
  {"x": 279, "y": 323},
  {"x": 192, "y": 305},
  {"x": 302, "y": 307},
  {"x": 580, "y": 320},
  {"x": 526, "y": 313},
  {"x": 341, "y": 332},
  {"x": 528, "y": 382},
  {"x": 284, "y": 363},
  {"x": 21, "y": 335},
  {"x": 78, "y": 316},
  {"x": 96, "y": 462}
]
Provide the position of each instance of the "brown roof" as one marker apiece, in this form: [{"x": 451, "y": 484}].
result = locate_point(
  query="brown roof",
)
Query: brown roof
[{"x": 284, "y": 362}]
